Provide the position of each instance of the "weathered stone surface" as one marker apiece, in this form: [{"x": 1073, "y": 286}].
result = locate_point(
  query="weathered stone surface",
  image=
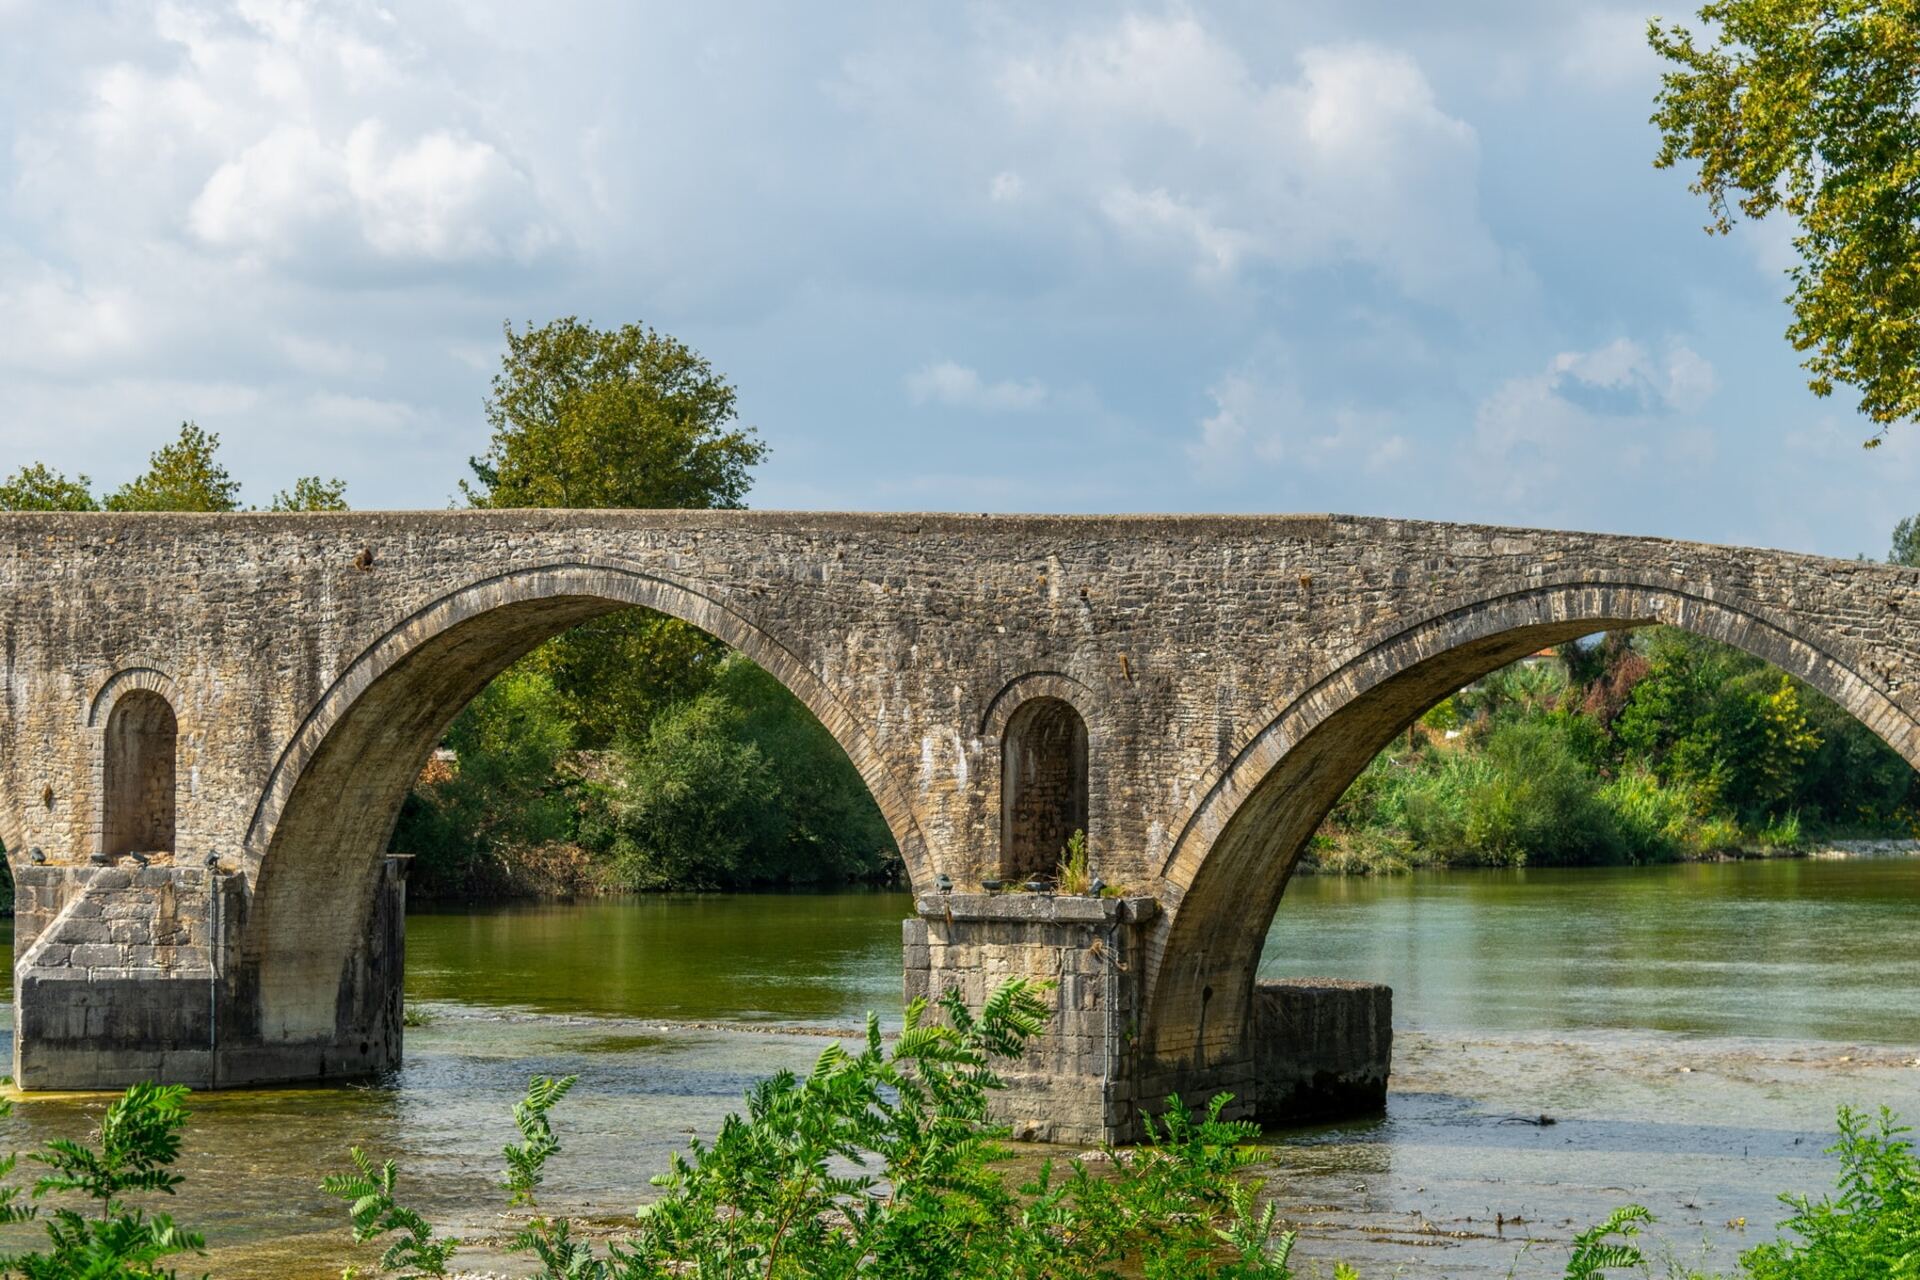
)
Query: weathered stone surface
[
  {"x": 1322, "y": 1048},
  {"x": 1231, "y": 674}
]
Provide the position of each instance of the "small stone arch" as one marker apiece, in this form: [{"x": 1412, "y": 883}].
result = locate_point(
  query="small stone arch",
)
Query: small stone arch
[
  {"x": 1027, "y": 709},
  {"x": 138, "y": 758},
  {"x": 1043, "y": 786}
]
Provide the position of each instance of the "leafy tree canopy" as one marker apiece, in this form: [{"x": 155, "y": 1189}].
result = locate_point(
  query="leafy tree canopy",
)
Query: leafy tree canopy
[
  {"x": 1811, "y": 109},
  {"x": 627, "y": 417},
  {"x": 37, "y": 487},
  {"x": 182, "y": 476},
  {"x": 1906, "y": 543},
  {"x": 311, "y": 493}
]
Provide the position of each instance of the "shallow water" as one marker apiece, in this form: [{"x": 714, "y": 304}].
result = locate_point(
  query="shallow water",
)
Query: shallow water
[{"x": 1691, "y": 1030}]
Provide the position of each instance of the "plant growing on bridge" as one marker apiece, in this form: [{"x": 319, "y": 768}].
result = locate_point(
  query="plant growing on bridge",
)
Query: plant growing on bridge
[{"x": 1073, "y": 872}]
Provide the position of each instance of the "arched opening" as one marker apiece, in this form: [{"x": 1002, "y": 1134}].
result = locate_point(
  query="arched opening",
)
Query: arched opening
[
  {"x": 1241, "y": 845},
  {"x": 137, "y": 814},
  {"x": 1043, "y": 786},
  {"x": 323, "y": 827}
]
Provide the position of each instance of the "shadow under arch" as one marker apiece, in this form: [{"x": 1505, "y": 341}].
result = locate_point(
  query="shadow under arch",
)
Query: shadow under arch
[
  {"x": 320, "y": 830},
  {"x": 1224, "y": 877}
]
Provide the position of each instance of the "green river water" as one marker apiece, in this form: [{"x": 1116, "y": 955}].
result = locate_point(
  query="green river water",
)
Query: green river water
[{"x": 1691, "y": 1029}]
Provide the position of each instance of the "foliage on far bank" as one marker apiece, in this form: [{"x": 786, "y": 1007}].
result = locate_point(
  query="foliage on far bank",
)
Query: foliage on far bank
[
  {"x": 736, "y": 787},
  {"x": 1653, "y": 747}
]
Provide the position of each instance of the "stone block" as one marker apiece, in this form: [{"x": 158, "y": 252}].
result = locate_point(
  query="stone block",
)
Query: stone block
[{"x": 1323, "y": 1048}]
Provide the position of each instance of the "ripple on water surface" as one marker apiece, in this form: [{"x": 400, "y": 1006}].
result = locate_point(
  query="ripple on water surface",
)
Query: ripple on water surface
[{"x": 1690, "y": 1029}]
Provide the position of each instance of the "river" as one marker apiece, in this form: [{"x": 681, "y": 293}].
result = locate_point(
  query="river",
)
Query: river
[{"x": 1690, "y": 1029}]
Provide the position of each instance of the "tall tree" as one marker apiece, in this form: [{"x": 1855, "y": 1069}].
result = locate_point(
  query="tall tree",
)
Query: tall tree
[
  {"x": 37, "y": 487},
  {"x": 311, "y": 493},
  {"x": 1810, "y": 109},
  {"x": 1906, "y": 543},
  {"x": 627, "y": 417},
  {"x": 182, "y": 476}
]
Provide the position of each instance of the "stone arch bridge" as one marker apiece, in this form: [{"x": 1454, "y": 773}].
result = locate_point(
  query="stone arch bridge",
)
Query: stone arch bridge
[{"x": 210, "y": 722}]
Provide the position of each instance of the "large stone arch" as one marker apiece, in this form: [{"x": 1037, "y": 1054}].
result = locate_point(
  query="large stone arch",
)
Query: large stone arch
[
  {"x": 1237, "y": 847},
  {"x": 316, "y": 838}
]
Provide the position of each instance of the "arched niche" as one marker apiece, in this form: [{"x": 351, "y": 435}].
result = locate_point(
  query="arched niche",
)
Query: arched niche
[
  {"x": 1043, "y": 786},
  {"x": 137, "y": 781}
]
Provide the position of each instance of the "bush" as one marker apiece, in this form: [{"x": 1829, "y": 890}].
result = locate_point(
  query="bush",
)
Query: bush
[
  {"x": 881, "y": 1163},
  {"x": 737, "y": 787},
  {"x": 1659, "y": 746},
  {"x": 1872, "y": 1228},
  {"x": 502, "y": 794},
  {"x": 139, "y": 1139}
]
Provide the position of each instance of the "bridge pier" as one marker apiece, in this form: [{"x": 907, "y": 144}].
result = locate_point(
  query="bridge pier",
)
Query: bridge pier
[
  {"x": 127, "y": 973},
  {"x": 1079, "y": 1083}
]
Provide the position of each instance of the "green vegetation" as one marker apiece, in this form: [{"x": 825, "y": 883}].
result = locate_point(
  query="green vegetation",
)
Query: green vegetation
[
  {"x": 139, "y": 1139},
  {"x": 1811, "y": 109},
  {"x": 882, "y": 1162},
  {"x": 633, "y": 752},
  {"x": 738, "y": 786},
  {"x": 184, "y": 475},
  {"x": 1652, "y": 747},
  {"x": 614, "y": 418}
]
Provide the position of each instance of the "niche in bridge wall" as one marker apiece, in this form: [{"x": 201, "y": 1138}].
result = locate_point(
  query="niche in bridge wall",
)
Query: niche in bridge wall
[
  {"x": 137, "y": 788},
  {"x": 1043, "y": 786}
]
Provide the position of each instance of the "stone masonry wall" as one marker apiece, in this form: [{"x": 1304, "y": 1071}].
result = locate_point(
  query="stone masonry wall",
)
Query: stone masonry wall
[
  {"x": 1323, "y": 1048},
  {"x": 1230, "y": 670},
  {"x": 1076, "y": 1084}
]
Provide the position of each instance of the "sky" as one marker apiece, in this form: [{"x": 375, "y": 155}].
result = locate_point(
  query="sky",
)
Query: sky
[{"x": 1390, "y": 258}]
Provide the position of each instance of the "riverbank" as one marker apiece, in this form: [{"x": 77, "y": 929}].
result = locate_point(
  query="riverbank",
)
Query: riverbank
[{"x": 1334, "y": 859}]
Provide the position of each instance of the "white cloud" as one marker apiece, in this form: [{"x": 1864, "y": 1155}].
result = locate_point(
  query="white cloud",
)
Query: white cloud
[
  {"x": 1260, "y": 415},
  {"x": 1590, "y": 418},
  {"x": 945, "y": 382},
  {"x": 52, "y": 321},
  {"x": 1156, "y": 215},
  {"x": 438, "y": 197},
  {"x": 286, "y": 130},
  {"x": 1006, "y": 187},
  {"x": 1162, "y": 127}
]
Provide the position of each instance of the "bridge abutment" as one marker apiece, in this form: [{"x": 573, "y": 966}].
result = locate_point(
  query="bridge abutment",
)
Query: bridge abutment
[{"x": 128, "y": 973}]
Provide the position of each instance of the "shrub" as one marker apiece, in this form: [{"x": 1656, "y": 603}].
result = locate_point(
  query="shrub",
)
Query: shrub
[
  {"x": 881, "y": 1163},
  {"x": 139, "y": 1139},
  {"x": 737, "y": 787},
  {"x": 1872, "y": 1228}
]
